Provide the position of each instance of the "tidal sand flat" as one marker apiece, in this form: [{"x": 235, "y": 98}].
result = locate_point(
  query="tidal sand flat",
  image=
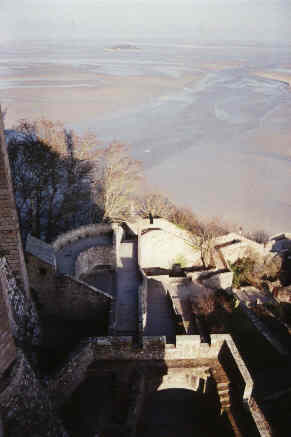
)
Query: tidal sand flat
[
  {"x": 210, "y": 124},
  {"x": 77, "y": 97}
]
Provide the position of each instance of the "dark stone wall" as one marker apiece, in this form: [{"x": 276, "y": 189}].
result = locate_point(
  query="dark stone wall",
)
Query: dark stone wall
[
  {"x": 7, "y": 345},
  {"x": 25, "y": 405},
  {"x": 64, "y": 296},
  {"x": 10, "y": 241}
]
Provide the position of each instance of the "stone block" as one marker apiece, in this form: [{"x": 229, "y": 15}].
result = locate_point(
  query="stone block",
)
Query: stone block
[{"x": 220, "y": 280}]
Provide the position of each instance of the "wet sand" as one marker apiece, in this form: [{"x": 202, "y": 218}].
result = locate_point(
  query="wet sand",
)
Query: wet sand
[
  {"x": 210, "y": 126},
  {"x": 74, "y": 96}
]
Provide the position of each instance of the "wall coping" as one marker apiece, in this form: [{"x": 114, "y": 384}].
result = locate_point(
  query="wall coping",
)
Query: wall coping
[
  {"x": 81, "y": 232},
  {"x": 90, "y": 287}
]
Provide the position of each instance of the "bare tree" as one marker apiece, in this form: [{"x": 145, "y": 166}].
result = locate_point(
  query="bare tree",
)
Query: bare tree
[
  {"x": 52, "y": 189},
  {"x": 155, "y": 204},
  {"x": 117, "y": 177},
  {"x": 259, "y": 236},
  {"x": 203, "y": 239}
]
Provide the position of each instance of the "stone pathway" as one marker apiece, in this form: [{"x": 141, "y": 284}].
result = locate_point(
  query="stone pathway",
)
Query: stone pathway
[
  {"x": 160, "y": 320},
  {"x": 127, "y": 283}
]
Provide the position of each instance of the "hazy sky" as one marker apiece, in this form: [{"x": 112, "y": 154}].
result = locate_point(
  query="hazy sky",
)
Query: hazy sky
[{"x": 241, "y": 20}]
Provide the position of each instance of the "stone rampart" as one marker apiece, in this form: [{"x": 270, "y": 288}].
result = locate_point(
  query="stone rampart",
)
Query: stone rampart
[
  {"x": 26, "y": 406},
  {"x": 230, "y": 354},
  {"x": 23, "y": 318},
  {"x": 42, "y": 278},
  {"x": 77, "y": 300},
  {"x": 64, "y": 296},
  {"x": 63, "y": 383},
  {"x": 7, "y": 345},
  {"x": 81, "y": 232},
  {"x": 188, "y": 352},
  {"x": 10, "y": 239},
  {"x": 262, "y": 424}
]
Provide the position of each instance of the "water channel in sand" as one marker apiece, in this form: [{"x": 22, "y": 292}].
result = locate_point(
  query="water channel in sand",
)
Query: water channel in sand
[{"x": 211, "y": 124}]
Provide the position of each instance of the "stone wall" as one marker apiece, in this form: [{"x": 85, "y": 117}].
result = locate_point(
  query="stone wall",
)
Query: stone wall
[
  {"x": 95, "y": 256},
  {"x": 172, "y": 362},
  {"x": 76, "y": 300},
  {"x": 23, "y": 318},
  {"x": 219, "y": 280},
  {"x": 73, "y": 373},
  {"x": 142, "y": 302},
  {"x": 234, "y": 246},
  {"x": 26, "y": 407},
  {"x": 10, "y": 240},
  {"x": 64, "y": 296},
  {"x": 42, "y": 278},
  {"x": 164, "y": 244},
  {"x": 81, "y": 232},
  {"x": 262, "y": 424},
  {"x": 7, "y": 345}
]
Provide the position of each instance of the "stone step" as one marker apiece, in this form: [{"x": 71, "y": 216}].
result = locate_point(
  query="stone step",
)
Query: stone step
[
  {"x": 223, "y": 392},
  {"x": 223, "y": 385}
]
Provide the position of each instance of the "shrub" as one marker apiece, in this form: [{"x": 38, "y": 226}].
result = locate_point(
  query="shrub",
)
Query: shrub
[
  {"x": 243, "y": 270},
  {"x": 179, "y": 259},
  {"x": 205, "y": 305}
]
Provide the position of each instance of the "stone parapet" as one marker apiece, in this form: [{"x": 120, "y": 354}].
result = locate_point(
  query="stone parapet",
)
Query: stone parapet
[
  {"x": 262, "y": 424},
  {"x": 82, "y": 232}
]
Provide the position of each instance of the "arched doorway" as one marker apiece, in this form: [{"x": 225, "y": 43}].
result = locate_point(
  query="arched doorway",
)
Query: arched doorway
[{"x": 176, "y": 412}]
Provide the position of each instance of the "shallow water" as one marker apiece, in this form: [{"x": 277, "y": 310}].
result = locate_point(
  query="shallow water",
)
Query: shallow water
[{"x": 215, "y": 138}]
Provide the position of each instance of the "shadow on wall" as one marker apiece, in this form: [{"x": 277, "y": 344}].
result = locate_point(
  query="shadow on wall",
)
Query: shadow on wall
[
  {"x": 121, "y": 388},
  {"x": 175, "y": 412}
]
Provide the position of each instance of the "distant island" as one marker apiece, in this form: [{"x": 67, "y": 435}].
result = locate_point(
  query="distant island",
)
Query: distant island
[{"x": 122, "y": 47}]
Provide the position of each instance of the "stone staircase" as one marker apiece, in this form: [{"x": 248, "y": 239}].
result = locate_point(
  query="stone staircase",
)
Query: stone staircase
[{"x": 223, "y": 388}]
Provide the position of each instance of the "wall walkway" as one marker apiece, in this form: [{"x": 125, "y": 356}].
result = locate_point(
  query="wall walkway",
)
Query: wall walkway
[
  {"x": 160, "y": 320},
  {"x": 127, "y": 284}
]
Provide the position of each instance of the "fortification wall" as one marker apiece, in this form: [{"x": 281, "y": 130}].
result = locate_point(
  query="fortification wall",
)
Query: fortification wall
[
  {"x": 188, "y": 352},
  {"x": 72, "y": 374},
  {"x": 23, "y": 318},
  {"x": 187, "y": 347},
  {"x": 64, "y": 296},
  {"x": 76, "y": 300},
  {"x": 95, "y": 256},
  {"x": 262, "y": 424},
  {"x": 42, "y": 278},
  {"x": 10, "y": 241},
  {"x": 26, "y": 407},
  {"x": 7, "y": 345},
  {"x": 82, "y": 232}
]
